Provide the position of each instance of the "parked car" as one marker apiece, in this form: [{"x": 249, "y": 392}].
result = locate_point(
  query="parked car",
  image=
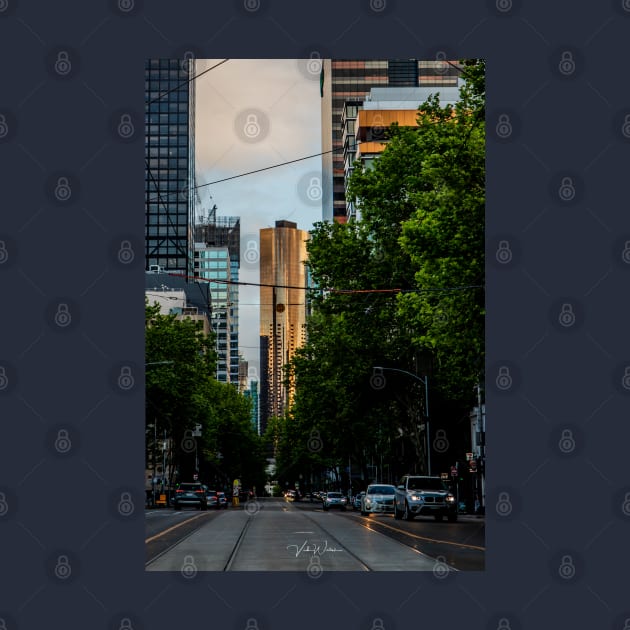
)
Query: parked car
[
  {"x": 213, "y": 498},
  {"x": 190, "y": 494},
  {"x": 424, "y": 496},
  {"x": 291, "y": 495},
  {"x": 222, "y": 499},
  {"x": 356, "y": 501},
  {"x": 334, "y": 500},
  {"x": 378, "y": 498}
]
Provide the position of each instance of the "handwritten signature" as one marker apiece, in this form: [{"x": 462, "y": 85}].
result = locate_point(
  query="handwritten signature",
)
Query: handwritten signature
[{"x": 314, "y": 549}]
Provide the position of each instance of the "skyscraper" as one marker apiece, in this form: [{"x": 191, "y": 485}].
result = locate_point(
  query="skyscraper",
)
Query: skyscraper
[
  {"x": 221, "y": 235},
  {"x": 347, "y": 80},
  {"x": 169, "y": 164},
  {"x": 283, "y": 278}
]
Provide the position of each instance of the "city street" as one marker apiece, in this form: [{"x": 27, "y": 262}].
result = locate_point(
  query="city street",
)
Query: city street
[{"x": 277, "y": 535}]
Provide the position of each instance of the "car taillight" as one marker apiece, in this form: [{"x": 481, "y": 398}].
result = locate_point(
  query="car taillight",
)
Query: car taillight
[{"x": 178, "y": 491}]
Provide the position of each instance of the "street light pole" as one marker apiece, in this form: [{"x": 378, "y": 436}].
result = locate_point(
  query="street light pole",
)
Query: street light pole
[{"x": 425, "y": 382}]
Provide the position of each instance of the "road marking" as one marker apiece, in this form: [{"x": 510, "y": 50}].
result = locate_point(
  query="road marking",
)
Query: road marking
[
  {"x": 170, "y": 529},
  {"x": 433, "y": 540}
]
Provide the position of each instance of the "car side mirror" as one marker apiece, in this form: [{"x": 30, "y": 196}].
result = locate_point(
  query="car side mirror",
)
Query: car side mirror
[{"x": 401, "y": 487}]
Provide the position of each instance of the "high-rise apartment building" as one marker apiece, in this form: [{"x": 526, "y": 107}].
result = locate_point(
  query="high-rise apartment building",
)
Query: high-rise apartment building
[
  {"x": 222, "y": 233},
  {"x": 283, "y": 279},
  {"x": 169, "y": 164},
  {"x": 346, "y": 80},
  {"x": 365, "y": 124}
]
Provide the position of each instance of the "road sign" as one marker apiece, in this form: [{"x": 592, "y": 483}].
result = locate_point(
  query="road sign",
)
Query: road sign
[
  {"x": 195, "y": 477},
  {"x": 472, "y": 465},
  {"x": 444, "y": 476},
  {"x": 453, "y": 471},
  {"x": 469, "y": 456}
]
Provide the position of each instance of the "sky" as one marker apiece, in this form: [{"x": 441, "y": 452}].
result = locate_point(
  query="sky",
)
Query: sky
[{"x": 252, "y": 114}]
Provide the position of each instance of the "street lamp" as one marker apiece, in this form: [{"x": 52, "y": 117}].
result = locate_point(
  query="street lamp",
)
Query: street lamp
[{"x": 425, "y": 382}]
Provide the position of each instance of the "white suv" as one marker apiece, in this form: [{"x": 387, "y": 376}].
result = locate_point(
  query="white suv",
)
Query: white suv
[
  {"x": 425, "y": 496},
  {"x": 378, "y": 498}
]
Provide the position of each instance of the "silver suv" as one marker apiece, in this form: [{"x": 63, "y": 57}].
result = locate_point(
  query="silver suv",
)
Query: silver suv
[{"x": 425, "y": 496}]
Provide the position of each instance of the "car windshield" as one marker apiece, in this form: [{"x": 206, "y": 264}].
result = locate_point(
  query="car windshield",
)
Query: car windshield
[
  {"x": 334, "y": 495},
  {"x": 426, "y": 483},
  {"x": 381, "y": 490}
]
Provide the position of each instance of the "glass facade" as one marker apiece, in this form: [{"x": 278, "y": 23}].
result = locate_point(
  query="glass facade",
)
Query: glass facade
[
  {"x": 169, "y": 151},
  {"x": 217, "y": 256}
]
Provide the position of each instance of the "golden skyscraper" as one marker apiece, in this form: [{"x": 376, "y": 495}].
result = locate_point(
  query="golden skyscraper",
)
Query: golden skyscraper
[{"x": 282, "y": 309}]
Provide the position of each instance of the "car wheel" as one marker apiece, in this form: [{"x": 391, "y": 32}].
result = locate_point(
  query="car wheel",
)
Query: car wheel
[
  {"x": 397, "y": 513},
  {"x": 407, "y": 515},
  {"x": 439, "y": 518},
  {"x": 452, "y": 518}
]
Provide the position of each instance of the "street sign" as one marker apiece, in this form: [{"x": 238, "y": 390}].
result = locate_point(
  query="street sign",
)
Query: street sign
[
  {"x": 453, "y": 471},
  {"x": 469, "y": 456},
  {"x": 472, "y": 465},
  {"x": 444, "y": 476},
  {"x": 195, "y": 477}
]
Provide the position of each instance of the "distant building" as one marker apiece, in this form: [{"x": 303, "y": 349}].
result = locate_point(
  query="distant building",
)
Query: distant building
[
  {"x": 283, "y": 278},
  {"x": 252, "y": 394},
  {"x": 222, "y": 233}
]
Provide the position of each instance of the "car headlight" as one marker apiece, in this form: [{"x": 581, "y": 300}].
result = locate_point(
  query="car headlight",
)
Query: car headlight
[
  {"x": 450, "y": 498},
  {"x": 416, "y": 497}
]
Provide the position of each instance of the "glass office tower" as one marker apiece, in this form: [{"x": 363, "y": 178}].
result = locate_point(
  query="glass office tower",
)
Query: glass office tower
[{"x": 169, "y": 165}]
